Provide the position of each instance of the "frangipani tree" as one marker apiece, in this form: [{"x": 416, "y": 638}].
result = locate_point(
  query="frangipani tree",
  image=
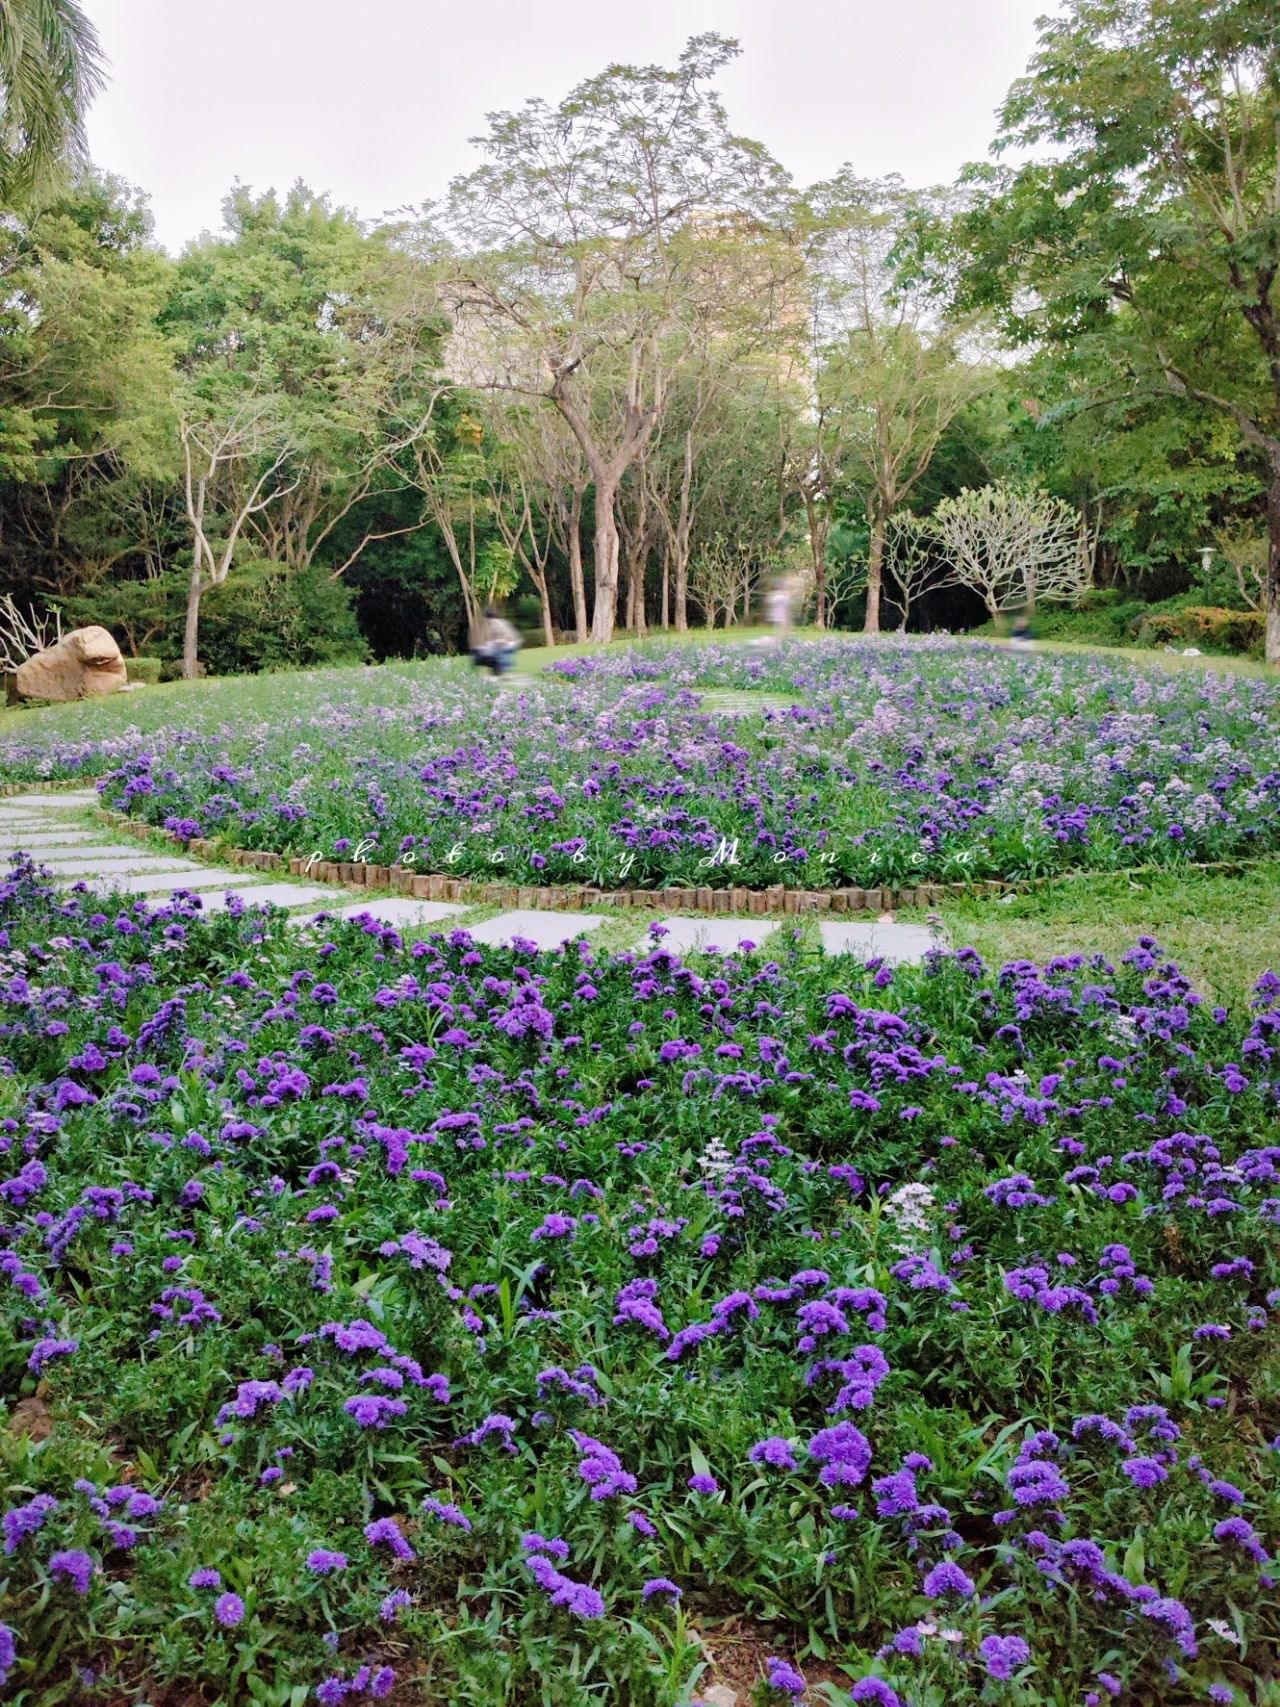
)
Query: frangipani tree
[{"x": 1011, "y": 546}]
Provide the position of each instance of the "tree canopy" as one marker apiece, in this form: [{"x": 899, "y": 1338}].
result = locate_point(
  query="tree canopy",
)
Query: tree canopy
[{"x": 627, "y": 365}]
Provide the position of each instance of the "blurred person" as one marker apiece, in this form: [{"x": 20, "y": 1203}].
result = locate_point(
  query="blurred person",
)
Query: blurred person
[
  {"x": 1020, "y": 633},
  {"x": 779, "y": 603},
  {"x": 494, "y": 643}
]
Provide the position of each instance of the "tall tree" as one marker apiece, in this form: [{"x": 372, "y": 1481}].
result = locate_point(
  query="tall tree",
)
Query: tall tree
[
  {"x": 50, "y": 69},
  {"x": 1151, "y": 233},
  {"x": 85, "y": 375},
  {"x": 586, "y": 247},
  {"x": 890, "y": 371},
  {"x": 308, "y": 352}
]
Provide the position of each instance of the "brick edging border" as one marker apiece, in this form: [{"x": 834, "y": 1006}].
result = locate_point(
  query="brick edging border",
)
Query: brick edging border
[{"x": 735, "y": 899}]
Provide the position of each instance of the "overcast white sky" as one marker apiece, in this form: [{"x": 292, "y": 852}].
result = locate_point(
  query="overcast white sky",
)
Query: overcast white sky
[{"x": 374, "y": 102}]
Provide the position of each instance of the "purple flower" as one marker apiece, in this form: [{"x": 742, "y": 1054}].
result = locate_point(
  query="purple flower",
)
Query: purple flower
[
  {"x": 874, "y": 1692},
  {"x": 392, "y": 1604},
  {"x": 385, "y": 1532},
  {"x": 24, "y": 1520},
  {"x": 324, "y": 1562},
  {"x": 579, "y": 1598},
  {"x": 1173, "y": 1616},
  {"x": 447, "y": 1513},
  {"x": 374, "y": 1410},
  {"x": 205, "y": 1577},
  {"x": 659, "y": 1585},
  {"x": 782, "y": 1678},
  {"x": 1244, "y": 1535},
  {"x": 947, "y": 1578},
  {"x": 775, "y": 1451},
  {"x": 553, "y": 1547},
  {"x": 45, "y": 1349},
  {"x": 844, "y": 1453},
  {"x": 1144, "y": 1472},
  {"x": 76, "y": 1566},
  {"x": 703, "y": 1484},
  {"x": 228, "y": 1609},
  {"x": 1002, "y": 1655}
]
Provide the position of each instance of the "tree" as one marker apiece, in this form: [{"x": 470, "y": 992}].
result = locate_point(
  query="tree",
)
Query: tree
[
  {"x": 1011, "y": 547},
  {"x": 538, "y": 482},
  {"x": 86, "y": 416},
  {"x": 890, "y": 373},
  {"x": 587, "y": 257},
  {"x": 911, "y": 559},
  {"x": 1152, "y": 232},
  {"x": 722, "y": 572},
  {"x": 234, "y": 466},
  {"x": 23, "y": 633},
  {"x": 50, "y": 69},
  {"x": 338, "y": 323},
  {"x": 1246, "y": 553}
]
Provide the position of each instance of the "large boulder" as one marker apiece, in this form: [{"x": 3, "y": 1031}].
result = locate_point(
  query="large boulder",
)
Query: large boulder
[{"x": 84, "y": 663}]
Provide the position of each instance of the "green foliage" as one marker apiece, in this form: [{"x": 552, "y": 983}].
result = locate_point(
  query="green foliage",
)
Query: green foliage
[
  {"x": 1200, "y": 625},
  {"x": 146, "y": 670},
  {"x": 1141, "y": 250},
  {"x": 268, "y": 617}
]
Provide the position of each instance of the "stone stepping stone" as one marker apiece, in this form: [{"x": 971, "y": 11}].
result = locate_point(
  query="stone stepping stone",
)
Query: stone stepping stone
[
  {"x": 266, "y": 894},
  {"x": 685, "y": 934},
  {"x": 400, "y": 911},
  {"x": 48, "y": 802},
  {"x": 900, "y": 945},
  {"x": 111, "y": 862},
  {"x": 544, "y": 930},
  {"x": 34, "y": 827},
  {"x": 45, "y": 839},
  {"x": 155, "y": 882}
]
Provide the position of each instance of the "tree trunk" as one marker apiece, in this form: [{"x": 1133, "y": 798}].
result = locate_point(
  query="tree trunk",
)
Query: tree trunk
[
  {"x": 191, "y": 638},
  {"x": 606, "y": 565},
  {"x": 1272, "y": 600},
  {"x": 635, "y": 587},
  {"x": 817, "y": 524},
  {"x": 575, "y": 566},
  {"x": 548, "y": 627},
  {"x": 666, "y": 589},
  {"x": 682, "y": 590},
  {"x": 875, "y": 575}
]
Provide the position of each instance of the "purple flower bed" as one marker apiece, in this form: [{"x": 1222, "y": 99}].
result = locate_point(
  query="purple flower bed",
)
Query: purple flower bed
[
  {"x": 898, "y": 762},
  {"x": 388, "y": 1346}
]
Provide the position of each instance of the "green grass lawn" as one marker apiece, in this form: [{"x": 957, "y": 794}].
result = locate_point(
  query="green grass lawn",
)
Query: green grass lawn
[{"x": 1222, "y": 930}]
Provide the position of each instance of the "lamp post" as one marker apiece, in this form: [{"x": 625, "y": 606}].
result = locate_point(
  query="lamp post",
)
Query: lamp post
[{"x": 1206, "y": 558}]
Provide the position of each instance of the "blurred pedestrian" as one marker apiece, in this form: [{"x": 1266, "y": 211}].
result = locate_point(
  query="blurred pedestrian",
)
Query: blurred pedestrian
[
  {"x": 494, "y": 643},
  {"x": 1020, "y": 633},
  {"x": 779, "y": 603}
]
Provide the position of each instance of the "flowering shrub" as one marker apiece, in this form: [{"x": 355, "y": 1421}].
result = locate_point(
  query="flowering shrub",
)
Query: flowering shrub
[
  {"x": 899, "y": 762},
  {"x": 928, "y": 1322}
]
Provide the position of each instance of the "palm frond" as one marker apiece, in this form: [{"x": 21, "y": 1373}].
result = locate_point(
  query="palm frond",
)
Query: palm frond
[{"x": 51, "y": 66}]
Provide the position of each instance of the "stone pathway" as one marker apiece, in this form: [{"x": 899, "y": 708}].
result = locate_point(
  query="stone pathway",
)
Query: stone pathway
[{"x": 51, "y": 829}]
